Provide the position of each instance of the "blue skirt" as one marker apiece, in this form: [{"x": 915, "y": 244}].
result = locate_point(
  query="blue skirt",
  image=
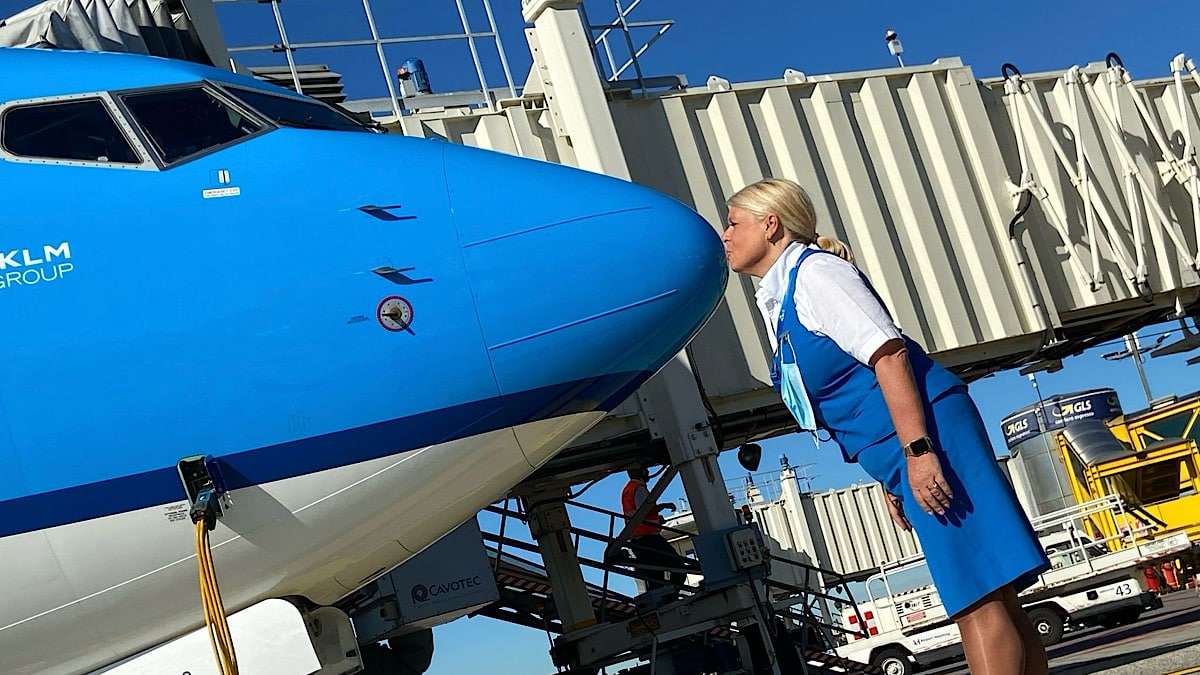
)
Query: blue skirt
[{"x": 984, "y": 541}]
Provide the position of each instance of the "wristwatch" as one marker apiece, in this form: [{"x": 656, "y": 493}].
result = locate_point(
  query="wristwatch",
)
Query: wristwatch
[{"x": 918, "y": 447}]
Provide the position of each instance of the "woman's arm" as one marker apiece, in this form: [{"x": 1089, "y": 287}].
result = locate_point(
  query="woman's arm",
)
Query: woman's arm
[
  {"x": 907, "y": 410},
  {"x": 900, "y": 391}
]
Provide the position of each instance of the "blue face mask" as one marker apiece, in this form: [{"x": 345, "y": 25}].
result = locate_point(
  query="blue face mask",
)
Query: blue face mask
[{"x": 791, "y": 387}]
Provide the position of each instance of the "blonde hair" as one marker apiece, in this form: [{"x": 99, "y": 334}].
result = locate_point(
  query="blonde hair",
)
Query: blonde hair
[{"x": 794, "y": 209}]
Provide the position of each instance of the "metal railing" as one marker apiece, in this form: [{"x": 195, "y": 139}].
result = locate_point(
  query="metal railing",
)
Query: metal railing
[
  {"x": 378, "y": 40},
  {"x": 767, "y": 486},
  {"x": 835, "y": 591},
  {"x": 615, "y": 565},
  {"x": 615, "y": 558},
  {"x": 620, "y": 28},
  {"x": 622, "y": 23},
  {"x": 809, "y": 604}
]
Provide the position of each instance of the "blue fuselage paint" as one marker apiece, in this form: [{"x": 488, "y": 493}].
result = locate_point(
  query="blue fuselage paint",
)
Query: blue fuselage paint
[{"x": 228, "y": 305}]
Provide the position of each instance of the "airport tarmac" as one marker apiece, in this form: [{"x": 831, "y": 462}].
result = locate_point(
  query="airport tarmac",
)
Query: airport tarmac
[{"x": 1164, "y": 641}]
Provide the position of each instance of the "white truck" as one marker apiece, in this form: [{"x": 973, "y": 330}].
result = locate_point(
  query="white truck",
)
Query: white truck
[
  {"x": 902, "y": 626},
  {"x": 909, "y": 630}
]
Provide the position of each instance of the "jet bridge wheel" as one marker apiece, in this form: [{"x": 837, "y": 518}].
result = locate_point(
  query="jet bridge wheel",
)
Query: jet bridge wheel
[
  {"x": 1048, "y": 623},
  {"x": 892, "y": 661}
]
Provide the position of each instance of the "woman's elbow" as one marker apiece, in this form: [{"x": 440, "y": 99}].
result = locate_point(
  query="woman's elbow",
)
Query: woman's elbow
[{"x": 891, "y": 353}]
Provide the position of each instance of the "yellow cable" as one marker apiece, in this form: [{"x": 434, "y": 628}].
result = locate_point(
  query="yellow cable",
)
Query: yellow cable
[
  {"x": 225, "y": 636},
  {"x": 219, "y": 637},
  {"x": 216, "y": 613},
  {"x": 200, "y": 548}
]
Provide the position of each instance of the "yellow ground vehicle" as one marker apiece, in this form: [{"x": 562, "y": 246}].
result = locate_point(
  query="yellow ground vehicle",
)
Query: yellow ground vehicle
[
  {"x": 1150, "y": 459},
  {"x": 1154, "y": 467}
]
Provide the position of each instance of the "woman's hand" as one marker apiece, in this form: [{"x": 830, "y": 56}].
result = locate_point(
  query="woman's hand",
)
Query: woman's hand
[
  {"x": 896, "y": 509},
  {"x": 928, "y": 484}
]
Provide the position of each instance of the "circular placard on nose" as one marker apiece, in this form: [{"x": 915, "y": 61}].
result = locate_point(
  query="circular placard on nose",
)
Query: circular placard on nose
[{"x": 395, "y": 313}]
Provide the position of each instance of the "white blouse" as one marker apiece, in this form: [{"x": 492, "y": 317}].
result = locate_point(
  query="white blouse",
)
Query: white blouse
[{"x": 831, "y": 300}]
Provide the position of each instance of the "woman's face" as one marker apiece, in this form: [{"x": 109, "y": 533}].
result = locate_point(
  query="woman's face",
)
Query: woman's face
[{"x": 745, "y": 239}]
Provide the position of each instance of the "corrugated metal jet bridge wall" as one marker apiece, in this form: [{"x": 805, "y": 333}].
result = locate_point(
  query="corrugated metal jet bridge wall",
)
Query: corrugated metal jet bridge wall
[{"x": 921, "y": 171}]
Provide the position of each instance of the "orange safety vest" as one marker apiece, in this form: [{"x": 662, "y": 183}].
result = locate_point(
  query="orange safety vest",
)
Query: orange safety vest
[{"x": 652, "y": 523}]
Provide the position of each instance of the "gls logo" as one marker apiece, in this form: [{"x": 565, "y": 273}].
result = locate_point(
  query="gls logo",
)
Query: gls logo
[
  {"x": 1017, "y": 427},
  {"x": 1075, "y": 408}
]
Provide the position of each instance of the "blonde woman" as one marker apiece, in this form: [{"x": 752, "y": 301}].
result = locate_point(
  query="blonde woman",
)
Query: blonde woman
[{"x": 843, "y": 366}]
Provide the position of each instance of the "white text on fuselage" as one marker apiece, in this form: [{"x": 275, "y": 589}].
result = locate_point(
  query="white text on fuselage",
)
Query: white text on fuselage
[{"x": 30, "y": 267}]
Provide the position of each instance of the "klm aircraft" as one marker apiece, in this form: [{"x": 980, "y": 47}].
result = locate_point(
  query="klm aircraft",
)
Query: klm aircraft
[{"x": 370, "y": 337}]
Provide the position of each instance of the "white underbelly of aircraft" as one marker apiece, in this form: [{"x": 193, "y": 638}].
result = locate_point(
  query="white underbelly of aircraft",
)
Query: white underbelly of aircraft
[{"x": 320, "y": 536}]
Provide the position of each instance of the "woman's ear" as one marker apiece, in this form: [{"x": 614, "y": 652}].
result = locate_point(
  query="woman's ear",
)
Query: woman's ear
[{"x": 772, "y": 228}]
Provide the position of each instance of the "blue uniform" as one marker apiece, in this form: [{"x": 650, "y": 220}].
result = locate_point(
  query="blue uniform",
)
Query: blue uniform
[{"x": 984, "y": 540}]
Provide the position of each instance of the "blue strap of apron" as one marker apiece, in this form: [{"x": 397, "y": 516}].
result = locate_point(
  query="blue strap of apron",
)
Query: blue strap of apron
[{"x": 789, "y": 297}]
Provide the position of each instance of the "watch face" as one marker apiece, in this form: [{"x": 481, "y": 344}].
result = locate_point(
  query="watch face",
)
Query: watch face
[{"x": 918, "y": 447}]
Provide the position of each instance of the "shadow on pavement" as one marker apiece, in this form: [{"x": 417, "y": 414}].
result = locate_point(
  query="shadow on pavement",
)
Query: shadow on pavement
[
  {"x": 1141, "y": 627},
  {"x": 1115, "y": 661}
]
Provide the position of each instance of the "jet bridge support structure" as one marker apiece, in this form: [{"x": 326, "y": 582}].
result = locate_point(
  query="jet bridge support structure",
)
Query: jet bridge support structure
[
  {"x": 550, "y": 526},
  {"x": 701, "y": 631},
  {"x": 658, "y": 619},
  {"x": 729, "y": 552}
]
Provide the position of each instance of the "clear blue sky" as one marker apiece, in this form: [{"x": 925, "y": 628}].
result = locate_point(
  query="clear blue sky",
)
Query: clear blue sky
[{"x": 752, "y": 40}]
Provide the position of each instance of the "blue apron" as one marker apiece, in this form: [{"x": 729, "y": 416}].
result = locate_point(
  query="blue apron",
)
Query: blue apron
[
  {"x": 826, "y": 388},
  {"x": 984, "y": 540}
]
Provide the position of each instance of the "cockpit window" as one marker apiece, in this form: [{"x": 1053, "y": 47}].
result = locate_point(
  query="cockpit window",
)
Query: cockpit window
[
  {"x": 185, "y": 122},
  {"x": 294, "y": 112},
  {"x": 74, "y": 130}
]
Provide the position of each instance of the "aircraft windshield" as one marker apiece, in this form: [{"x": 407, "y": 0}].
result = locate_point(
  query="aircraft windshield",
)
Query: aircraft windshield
[
  {"x": 185, "y": 122},
  {"x": 72, "y": 130},
  {"x": 293, "y": 112}
]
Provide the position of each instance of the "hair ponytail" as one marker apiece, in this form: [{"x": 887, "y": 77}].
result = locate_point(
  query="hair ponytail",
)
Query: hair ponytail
[{"x": 836, "y": 246}]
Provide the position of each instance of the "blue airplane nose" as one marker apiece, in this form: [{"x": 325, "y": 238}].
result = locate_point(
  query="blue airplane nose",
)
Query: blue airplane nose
[{"x": 584, "y": 285}]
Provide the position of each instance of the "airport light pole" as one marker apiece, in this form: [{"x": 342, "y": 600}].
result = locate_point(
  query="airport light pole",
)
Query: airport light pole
[{"x": 1134, "y": 350}]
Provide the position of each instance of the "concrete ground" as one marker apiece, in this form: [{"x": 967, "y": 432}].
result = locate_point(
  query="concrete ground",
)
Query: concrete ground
[{"x": 1164, "y": 641}]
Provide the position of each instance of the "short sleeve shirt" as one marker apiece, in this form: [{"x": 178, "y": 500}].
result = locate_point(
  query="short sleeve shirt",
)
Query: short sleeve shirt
[{"x": 831, "y": 300}]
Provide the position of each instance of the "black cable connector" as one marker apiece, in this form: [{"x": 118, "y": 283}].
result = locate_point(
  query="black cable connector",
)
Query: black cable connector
[{"x": 205, "y": 508}]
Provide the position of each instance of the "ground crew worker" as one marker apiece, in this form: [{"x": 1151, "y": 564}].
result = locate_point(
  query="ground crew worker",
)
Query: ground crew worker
[
  {"x": 1168, "y": 572},
  {"x": 647, "y": 543},
  {"x": 1151, "y": 579}
]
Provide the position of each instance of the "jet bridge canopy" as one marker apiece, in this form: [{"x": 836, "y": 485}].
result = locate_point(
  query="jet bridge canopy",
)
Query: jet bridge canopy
[{"x": 177, "y": 29}]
